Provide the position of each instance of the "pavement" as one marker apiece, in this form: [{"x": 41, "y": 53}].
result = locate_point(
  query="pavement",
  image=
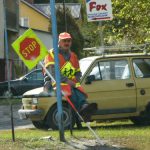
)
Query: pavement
[{"x": 5, "y": 118}]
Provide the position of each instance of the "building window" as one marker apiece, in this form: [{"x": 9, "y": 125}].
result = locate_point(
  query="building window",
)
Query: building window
[{"x": 24, "y": 21}]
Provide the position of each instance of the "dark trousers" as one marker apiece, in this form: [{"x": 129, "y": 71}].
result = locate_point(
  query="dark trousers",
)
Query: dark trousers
[{"x": 78, "y": 98}]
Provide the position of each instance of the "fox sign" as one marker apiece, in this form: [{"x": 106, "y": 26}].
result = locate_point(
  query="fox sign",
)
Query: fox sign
[
  {"x": 99, "y": 10},
  {"x": 30, "y": 48}
]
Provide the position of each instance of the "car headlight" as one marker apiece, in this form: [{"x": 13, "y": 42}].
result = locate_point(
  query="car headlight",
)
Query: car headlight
[{"x": 34, "y": 100}]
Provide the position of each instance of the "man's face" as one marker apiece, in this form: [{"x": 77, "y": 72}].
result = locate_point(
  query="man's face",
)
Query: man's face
[{"x": 65, "y": 44}]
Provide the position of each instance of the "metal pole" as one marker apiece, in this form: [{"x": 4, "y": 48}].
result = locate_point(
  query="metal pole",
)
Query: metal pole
[
  {"x": 8, "y": 71},
  {"x": 65, "y": 18},
  {"x": 57, "y": 70},
  {"x": 101, "y": 37},
  {"x": 12, "y": 123},
  {"x": 6, "y": 47}
]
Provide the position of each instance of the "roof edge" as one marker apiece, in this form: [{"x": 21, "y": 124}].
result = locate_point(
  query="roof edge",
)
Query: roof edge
[{"x": 36, "y": 9}]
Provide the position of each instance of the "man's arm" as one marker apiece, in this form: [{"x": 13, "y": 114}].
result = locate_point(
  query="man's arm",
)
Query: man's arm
[{"x": 78, "y": 76}]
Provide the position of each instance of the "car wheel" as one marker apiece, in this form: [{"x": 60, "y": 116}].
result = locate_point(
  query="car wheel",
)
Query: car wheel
[
  {"x": 52, "y": 117},
  {"x": 140, "y": 121},
  {"x": 40, "y": 125},
  {"x": 144, "y": 118}
]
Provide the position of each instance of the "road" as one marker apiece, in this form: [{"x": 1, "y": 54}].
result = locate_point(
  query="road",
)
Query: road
[{"x": 5, "y": 121}]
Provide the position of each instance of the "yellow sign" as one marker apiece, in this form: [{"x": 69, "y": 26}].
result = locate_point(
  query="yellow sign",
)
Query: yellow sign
[
  {"x": 30, "y": 48},
  {"x": 68, "y": 70}
]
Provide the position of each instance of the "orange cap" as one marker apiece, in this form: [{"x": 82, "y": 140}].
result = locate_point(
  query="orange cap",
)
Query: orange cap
[{"x": 64, "y": 35}]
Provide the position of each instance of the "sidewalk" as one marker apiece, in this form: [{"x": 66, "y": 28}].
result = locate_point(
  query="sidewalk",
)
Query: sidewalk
[{"x": 5, "y": 120}]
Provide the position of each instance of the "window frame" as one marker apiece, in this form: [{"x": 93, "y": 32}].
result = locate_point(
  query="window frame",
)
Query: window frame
[
  {"x": 108, "y": 60},
  {"x": 134, "y": 68}
]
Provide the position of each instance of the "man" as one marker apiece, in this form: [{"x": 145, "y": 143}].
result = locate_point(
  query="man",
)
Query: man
[{"x": 70, "y": 75}]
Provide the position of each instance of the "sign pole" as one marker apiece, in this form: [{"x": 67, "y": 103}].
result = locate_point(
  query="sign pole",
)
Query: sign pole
[
  {"x": 8, "y": 72},
  {"x": 57, "y": 70},
  {"x": 101, "y": 38}
]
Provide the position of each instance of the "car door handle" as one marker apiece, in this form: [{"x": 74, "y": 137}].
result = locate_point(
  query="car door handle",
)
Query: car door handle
[{"x": 129, "y": 84}]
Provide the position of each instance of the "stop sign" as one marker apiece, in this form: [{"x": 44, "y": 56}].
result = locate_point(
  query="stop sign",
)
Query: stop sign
[{"x": 29, "y": 49}]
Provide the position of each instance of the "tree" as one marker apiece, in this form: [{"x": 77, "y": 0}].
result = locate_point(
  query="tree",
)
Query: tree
[
  {"x": 131, "y": 20},
  {"x": 130, "y": 24},
  {"x": 72, "y": 28}
]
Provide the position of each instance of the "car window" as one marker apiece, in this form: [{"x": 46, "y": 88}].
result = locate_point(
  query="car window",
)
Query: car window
[
  {"x": 96, "y": 72},
  {"x": 111, "y": 70},
  {"x": 84, "y": 65},
  {"x": 141, "y": 67},
  {"x": 36, "y": 75}
]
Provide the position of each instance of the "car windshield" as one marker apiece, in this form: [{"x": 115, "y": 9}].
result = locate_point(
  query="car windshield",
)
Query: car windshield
[{"x": 84, "y": 65}]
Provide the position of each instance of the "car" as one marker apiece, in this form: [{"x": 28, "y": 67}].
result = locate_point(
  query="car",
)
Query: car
[
  {"x": 118, "y": 83},
  {"x": 32, "y": 80}
]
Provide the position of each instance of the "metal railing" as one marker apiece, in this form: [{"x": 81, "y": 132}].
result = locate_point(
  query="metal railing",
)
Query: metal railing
[{"x": 133, "y": 48}]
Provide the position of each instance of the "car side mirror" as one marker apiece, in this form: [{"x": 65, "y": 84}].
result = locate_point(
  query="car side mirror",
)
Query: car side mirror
[{"x": 89, "y": 79}]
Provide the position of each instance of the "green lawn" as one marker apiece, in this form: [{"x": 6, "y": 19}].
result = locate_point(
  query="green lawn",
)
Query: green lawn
[{"x": 124, "y": 134}]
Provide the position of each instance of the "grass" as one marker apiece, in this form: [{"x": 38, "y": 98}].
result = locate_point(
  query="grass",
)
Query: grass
[
  {"x": 12, "y": 101},
  {"x": 119, "y": 133}
]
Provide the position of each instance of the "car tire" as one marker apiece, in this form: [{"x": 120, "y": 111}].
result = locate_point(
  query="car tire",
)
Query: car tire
[
  {"x": 144, "y": 118},
  {"x": 52, "y": 117},
  {"x": 141, "y": 121},
  {"x": 40, "y": 125}
]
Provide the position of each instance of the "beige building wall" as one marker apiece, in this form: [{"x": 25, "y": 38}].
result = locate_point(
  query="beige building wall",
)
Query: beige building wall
[{"x": 36, "y": 20}]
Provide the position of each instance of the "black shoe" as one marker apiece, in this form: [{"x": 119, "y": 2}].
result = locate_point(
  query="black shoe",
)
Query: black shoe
[
  {"x": 87, "y": 111},
  {"x": 79, "y": 125}
]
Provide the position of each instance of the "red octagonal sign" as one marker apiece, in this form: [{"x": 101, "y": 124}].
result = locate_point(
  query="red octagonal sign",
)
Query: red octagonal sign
[{"x": 29, "y": 49}]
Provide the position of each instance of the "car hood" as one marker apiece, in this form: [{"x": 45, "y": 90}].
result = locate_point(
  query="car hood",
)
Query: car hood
[
  {"x": 34, "y": 91},
  {"x": 38, "y": 92}
]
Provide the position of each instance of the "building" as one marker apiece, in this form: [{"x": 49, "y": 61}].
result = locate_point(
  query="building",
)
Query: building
[
  {"x": 32, "y": 17},
  {"x": 9, "y": 11},
  {"x": 20, "y": 15}
]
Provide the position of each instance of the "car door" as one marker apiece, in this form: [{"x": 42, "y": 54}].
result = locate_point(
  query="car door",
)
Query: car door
[
  {"x": 109, "y": 83},
  {"x": 141, "y": 67}
]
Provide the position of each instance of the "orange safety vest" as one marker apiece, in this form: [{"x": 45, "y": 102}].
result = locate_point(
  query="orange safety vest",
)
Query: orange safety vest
[{"x": 67, "y": 68}]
